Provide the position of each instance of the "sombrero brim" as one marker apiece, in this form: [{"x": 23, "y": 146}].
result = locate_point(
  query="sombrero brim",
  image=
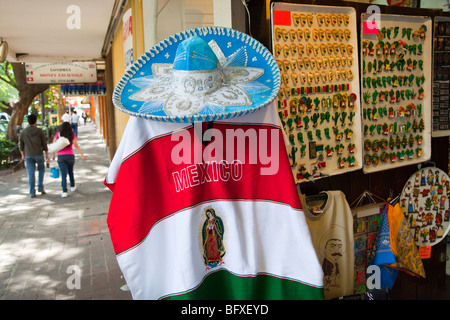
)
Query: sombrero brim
[{"x": 240, "y": 49}]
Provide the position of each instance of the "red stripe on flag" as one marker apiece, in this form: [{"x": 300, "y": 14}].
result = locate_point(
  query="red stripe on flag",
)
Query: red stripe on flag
[
  {"x": 282, "y": 18},
  {"x": 146, "y": 187}
]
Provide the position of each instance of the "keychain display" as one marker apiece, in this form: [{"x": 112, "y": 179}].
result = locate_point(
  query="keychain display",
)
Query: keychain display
[
  {"x": 441, "y": 81},
  {"x": 318, "y": 103},
  {"x": 425, "y": 203},
  {"x": 396, "y": 91}
]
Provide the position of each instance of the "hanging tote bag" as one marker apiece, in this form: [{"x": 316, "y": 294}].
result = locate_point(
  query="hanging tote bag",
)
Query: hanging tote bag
[
  {"x": 54, "y": 172},
  {"x": 58, "y": 145}
]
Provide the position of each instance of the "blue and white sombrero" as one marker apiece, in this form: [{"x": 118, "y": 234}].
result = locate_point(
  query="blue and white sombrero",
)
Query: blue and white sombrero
[{"x": 202, "y": 74}]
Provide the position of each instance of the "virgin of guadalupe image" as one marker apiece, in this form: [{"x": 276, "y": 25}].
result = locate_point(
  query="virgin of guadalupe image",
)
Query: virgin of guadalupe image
[{"x": 212, "y": 236}]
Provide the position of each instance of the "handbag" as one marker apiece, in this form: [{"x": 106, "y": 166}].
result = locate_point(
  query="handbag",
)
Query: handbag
[
  {"x": 54, "y": 172},
  {"x": 58, "y": 145}
]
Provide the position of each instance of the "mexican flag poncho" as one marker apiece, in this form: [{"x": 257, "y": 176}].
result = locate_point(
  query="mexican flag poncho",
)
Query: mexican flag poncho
[{"x": 220, "y": 220}]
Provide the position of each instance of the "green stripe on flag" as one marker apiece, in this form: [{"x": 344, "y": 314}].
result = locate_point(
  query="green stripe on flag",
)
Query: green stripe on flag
[{"x": 225, "y": 285}]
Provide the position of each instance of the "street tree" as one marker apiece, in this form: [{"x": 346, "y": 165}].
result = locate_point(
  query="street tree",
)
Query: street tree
[
  {"x": 27, "y": 92},
  {"x": 8, "y": 94}
]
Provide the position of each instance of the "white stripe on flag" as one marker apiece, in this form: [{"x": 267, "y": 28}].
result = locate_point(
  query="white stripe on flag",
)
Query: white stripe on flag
[
  {"x": 138, "y": 131},
  {"x": 259, "y": 237}
]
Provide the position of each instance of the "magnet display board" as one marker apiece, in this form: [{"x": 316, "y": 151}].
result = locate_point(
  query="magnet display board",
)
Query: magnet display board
[
  {"x": 425, "y": 203},
  {"x": 396, "y": 85},
  {"x": 441, "y": 77},
  {"x": 316, "y": 48}
]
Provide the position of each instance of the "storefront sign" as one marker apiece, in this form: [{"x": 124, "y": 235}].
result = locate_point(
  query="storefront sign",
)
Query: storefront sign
[{"x": 61, "y": 72}]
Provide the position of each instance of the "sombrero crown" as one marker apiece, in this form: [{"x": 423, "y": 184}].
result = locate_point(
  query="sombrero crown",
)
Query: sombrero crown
[{"x": 201, "y": 74}]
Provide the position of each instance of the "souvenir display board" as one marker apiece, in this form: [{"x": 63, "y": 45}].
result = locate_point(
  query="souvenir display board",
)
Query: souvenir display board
[
  {"x": 425, "y": 202},
  {"x": 316, "y": 48},
  {"x": 441, "y": 81},
  {"x": 396, "y": 91}
]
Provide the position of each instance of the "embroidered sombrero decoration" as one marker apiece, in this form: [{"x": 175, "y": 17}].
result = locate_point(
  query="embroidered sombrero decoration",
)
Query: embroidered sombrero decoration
[{"x": 202, "y": 74}]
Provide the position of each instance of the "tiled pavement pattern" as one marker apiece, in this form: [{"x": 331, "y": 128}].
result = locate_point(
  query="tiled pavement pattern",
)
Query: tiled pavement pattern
[{"x": 54, "y": 248}]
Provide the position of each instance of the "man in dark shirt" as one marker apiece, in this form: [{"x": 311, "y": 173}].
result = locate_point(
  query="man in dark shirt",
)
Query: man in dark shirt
[{"x": 32, "y": 144}]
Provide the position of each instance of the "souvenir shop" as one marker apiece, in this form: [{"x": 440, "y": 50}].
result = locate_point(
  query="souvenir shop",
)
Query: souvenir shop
[
  {"x": 360, "y": 95},
  {"x": 364, "y": 102}
]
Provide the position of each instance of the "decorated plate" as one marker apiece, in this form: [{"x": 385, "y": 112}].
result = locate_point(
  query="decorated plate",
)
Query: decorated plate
[{"x": 425, "y": 202}]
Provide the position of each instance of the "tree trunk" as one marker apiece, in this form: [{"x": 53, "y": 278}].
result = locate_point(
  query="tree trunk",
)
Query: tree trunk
[
  {"x": 27, "y": 92},
  {"x": 61, "y": 107}
]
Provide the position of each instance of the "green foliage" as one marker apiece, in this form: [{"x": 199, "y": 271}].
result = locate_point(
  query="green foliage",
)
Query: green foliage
[
  {"x": 49, "y": 132},
  {"x": 52, "y": 100},
  {"x": 6, "y": 147},
  {"x": 8, "y": 93},
  {"x": 34, "y": 110},
  {"x": 53, "y": 96}
]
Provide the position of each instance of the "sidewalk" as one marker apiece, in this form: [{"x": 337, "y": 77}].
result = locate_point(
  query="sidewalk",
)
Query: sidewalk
[{"x": 41, "y": 238}]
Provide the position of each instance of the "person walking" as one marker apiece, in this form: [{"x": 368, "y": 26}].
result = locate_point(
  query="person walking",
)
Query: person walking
[
  {"x": 66, "y": 157},
  {"x": 32, "y": 145},
  {"x": 65, "y": 117},
  {"x": 74, "y": 121},
  {"x": 84, "y": 116}
]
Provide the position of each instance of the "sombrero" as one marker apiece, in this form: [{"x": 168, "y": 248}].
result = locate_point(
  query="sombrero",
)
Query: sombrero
[{"x": 202, "y": 74}]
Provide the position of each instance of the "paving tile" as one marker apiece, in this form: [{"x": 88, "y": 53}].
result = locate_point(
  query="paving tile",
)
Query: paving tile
[{"x": 41, "y": 238}]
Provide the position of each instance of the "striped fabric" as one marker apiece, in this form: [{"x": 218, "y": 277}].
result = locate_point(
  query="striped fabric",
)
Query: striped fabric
[{"x": 222, "y": 227}]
